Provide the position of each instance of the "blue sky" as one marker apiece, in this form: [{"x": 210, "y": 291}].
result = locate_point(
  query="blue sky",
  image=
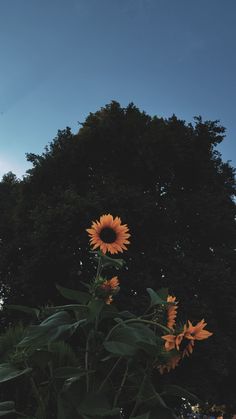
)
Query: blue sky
[{"x": 61, "y": 59}]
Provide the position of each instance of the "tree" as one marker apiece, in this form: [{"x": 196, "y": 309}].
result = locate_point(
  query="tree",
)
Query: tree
[{"x": 167, "y": 181}]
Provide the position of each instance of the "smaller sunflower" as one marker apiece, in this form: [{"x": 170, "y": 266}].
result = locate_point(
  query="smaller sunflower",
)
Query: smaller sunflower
[
  {"x": 109, "y": 234},
  {"x": 196, "y": 332},
  {"x": 171, "y": 311},
  {"x": 173, "y": 341},
  {"x": 110, "y": 285}
]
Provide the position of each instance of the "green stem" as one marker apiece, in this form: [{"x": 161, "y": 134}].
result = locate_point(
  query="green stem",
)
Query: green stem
[
  {"x": 37, "y": 395},
  {"x": 121, "y": 385},
  {"x": 109, "y": 374},
  {"x": 86, "y": 363},
  {"x": 99, "y": 268},
  {"x": 138, "y": 320},
  {"x": 138, "y": 395}
]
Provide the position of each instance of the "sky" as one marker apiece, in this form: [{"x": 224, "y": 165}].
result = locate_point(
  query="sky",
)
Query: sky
[{"x": 61, "y": 59}]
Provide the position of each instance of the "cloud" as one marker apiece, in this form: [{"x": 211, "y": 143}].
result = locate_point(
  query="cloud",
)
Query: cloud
[{"x": 8, "y": 165}]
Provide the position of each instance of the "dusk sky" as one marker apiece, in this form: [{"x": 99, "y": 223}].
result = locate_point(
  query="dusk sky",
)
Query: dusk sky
[{"x": 61, "y": 59}]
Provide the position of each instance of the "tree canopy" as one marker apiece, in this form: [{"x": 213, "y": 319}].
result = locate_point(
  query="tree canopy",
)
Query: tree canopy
[{"x": 167, "y": 181}]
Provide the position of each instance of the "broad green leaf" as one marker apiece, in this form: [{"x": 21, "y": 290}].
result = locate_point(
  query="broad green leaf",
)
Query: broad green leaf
[
  {"x": 95, "y": 404},
  {"x": 112, "y": 262},
  {"x": 108, "y": 261},
  {"x": 82, "y": 310},
  {"x": 155, "y": 298},
  {"x": 9, "y": 372},
  {"x": 126, "y": 315},
  {"x": 7, "y": 408},
  {"x": 178, "y": 391},
  {"x": 119, "y": 348},
  {"x": 136, "y": 335},
  {"x": 58, "y": 326},
  {"x": 75, "y": 295},
  {"x": 95, "y": 307},
  {"x": 29, "y": 310},
  {"x": 163, "y": 293}
]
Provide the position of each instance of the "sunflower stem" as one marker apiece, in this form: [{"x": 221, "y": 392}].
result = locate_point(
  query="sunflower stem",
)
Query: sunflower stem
[
  {"x": 109, "y": 374},
  {"x": 121, "y": 385},
  {"x": 137, "y": 403},
  {"x": 86, "y": 363},
  {"x": 99, "y": 268}
]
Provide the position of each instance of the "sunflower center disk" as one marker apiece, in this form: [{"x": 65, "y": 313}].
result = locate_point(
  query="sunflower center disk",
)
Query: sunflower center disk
[{"x": 108, "y": 235}]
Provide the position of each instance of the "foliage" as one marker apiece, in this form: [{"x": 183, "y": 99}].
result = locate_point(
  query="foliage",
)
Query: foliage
[
  {"x": 167, "y": 180},
  {"x": 87, "y": 360}
]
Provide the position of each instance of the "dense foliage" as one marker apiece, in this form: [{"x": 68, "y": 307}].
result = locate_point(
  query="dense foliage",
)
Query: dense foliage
[
  {"x": 166, "y": 179},
  {"x": 87, "y": 360}
]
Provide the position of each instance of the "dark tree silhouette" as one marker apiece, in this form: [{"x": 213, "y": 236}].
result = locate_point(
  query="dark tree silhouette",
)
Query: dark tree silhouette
[{"x": 167, "y": 181}]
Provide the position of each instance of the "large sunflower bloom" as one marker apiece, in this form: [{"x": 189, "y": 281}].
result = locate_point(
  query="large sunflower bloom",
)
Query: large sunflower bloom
[
  {"x": 171, "y": 311},
  {"x": 109, "y": 234},
  {"x": 196, "y": 332}
]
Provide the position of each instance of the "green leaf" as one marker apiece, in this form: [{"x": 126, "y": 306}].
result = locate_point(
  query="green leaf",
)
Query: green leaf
[
  {"x": 9, "y": 372},
  {"x": 29, "y": 310},
  {"x": 109, "y": 261},
  {"x": 119, "y": 348},
  {"x": 81, "y": 309},
  {"x": 163, "y": 293},
  {"x": 178, "y": 391},
  {"x": 75, "y": 295},
  {"x": 95, "y": 307},
  {"x": 112, "y": 262},
  {"x": 138, "y": 336},
  {"x": 58, "y": 326},
  {"x": 7, "y": 408},
  {"x": 155, "y": 298},
  {"x": 95, "y": 404},
  {"x": 126, "y": 315}
]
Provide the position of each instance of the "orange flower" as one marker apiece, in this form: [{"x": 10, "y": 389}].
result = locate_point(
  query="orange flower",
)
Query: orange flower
[
  {"x": 196, "y": 332},
  {"x": 172, "y": 341},
  {"x": 109, "y": 234},
  {"x": 171, "y": 311},
  {"x": 170, "y": 365},
  {"x": 110, "y": 284}
]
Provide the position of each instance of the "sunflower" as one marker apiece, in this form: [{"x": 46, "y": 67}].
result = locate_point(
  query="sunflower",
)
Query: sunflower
[
  {"x": 196, "y": 332},
  {"x": 110, "y": 285},
  {"x": 171, "y": 311},
  {"x": 173, "y": 341},
  {"x": 109, "y": 234}
]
